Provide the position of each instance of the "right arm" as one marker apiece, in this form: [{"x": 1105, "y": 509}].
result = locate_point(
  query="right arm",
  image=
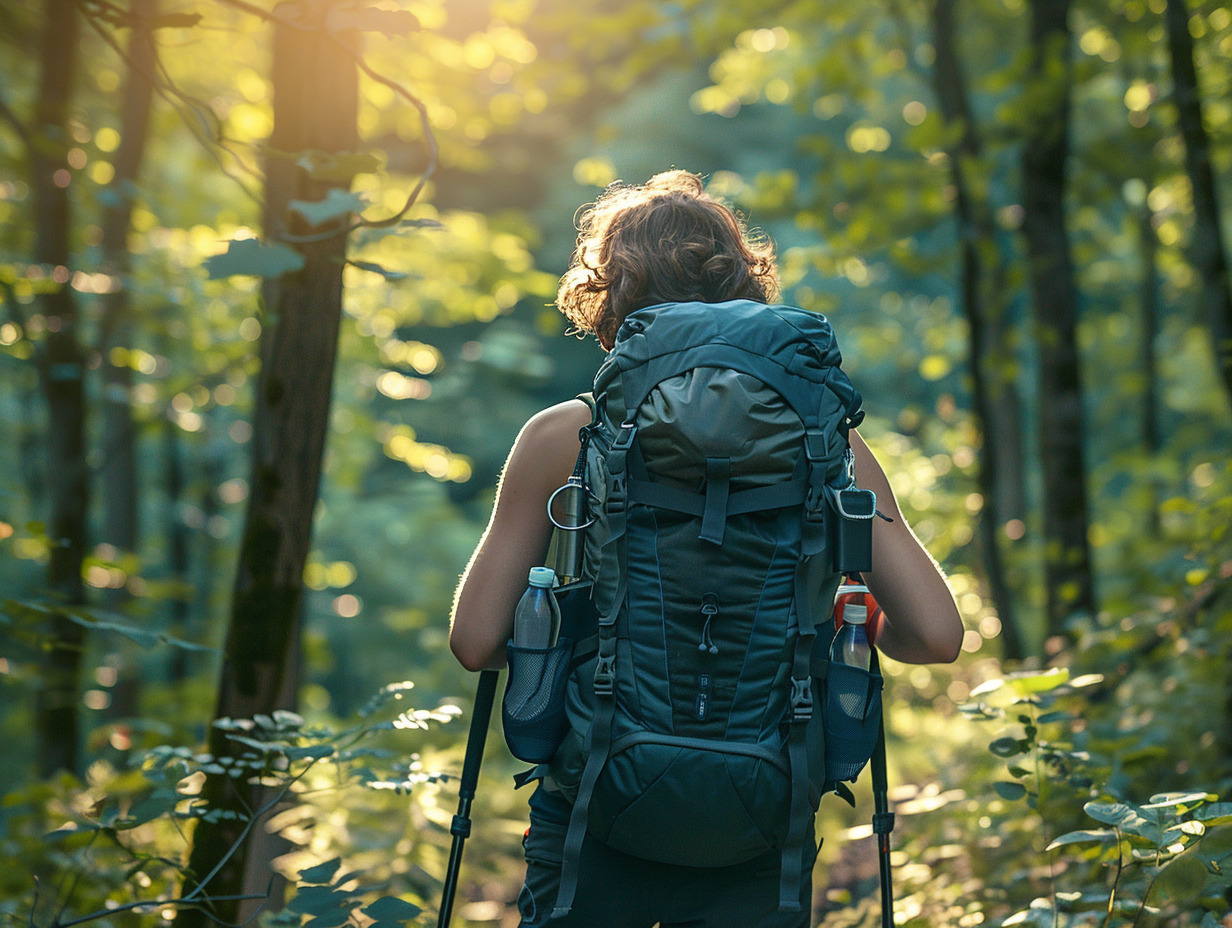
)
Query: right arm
[{"x": 517, "y": 536}]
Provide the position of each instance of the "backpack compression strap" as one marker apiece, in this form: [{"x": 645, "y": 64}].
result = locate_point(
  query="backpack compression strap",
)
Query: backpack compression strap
[
  {"x": 812, "y": 545},
  {"x": 599, "y": 738}
]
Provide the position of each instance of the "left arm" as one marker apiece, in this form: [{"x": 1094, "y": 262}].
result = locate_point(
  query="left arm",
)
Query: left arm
[{"x": 921, "y": 623}]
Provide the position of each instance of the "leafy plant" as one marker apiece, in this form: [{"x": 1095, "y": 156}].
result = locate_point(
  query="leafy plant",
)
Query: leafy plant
[{"x": 120, "y": 844}]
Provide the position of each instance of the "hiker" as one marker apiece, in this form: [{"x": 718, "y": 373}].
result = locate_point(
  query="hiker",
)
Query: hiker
[{"x": 666, "y": 241}]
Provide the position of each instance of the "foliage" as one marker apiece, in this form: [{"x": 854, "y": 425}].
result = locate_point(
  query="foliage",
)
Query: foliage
[
  {"x": 119, "y": 844},
  {"x": 820, "y": 121}
]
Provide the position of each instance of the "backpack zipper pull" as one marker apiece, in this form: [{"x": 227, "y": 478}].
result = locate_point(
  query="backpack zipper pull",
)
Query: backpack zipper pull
[{"x": 710, "y": 608}]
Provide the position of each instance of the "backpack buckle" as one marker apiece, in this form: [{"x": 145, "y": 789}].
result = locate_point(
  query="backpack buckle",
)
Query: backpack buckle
[
  {"x": 815, "y": 505},
  {"x": 816, "y": 445},
  {"x": 624, "y": 438},
  {"x": 801, "y": 699},
  {"x": 605, "y": 675}
]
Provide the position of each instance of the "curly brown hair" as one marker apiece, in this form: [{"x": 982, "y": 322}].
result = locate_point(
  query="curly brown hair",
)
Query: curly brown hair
[{"x": 663, "y": 241}]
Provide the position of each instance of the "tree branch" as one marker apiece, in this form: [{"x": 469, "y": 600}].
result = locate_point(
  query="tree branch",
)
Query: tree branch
[
  {"x": 193, "y": 112},
  {"x": 429, "y": 139}
]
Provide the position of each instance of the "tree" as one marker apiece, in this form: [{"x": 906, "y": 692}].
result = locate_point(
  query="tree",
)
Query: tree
[
  {"x": 1210, "y": 259},
  {"x": 62, "y": 375},
  {"x": 993, "y": 394},
  {"x": 315, "y": 99},
  {"x": 118, "y": 473},
  {"x": 1062, "y": 428}
]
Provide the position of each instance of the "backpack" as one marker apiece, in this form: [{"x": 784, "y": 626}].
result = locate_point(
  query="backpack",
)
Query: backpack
[{"x": 721, "y": 487}]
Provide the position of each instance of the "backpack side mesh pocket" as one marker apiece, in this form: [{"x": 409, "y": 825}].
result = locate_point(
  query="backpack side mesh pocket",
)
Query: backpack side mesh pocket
[
  {"x": 533, "y": 710},
  {"x": 852, "y": 719}
]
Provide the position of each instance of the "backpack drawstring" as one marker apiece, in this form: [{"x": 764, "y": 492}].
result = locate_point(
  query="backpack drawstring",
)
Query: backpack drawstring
[{"x": 710, "y": 608}]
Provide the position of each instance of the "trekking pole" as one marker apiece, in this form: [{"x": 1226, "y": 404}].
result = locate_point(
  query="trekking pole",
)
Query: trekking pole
[
  {"x": 883, "y": 824},
  {"x": 461, "y": 827}
]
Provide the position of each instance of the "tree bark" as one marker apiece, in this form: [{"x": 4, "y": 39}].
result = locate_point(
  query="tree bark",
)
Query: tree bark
[
  {"x": 1067, "y": 554},
  {"x": 1148, "y": 304},
  {"x": 315, "y": 107},
  {"x": 118, "y": 473},
  {"x": 990, "y": 387},
  {"x": 1207, "y": 250},
  {"x": 57, "y": 714}
]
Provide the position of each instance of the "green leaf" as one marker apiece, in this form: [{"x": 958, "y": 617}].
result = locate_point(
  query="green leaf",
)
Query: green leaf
[
  {"x": 1171, "y": 800},
  {"x": 1010, "y": 791},
  {"x": 1127, "y": 817},
  {"x": 285, "y": 719},
  {"x": 377, "y": 269},
  {"x": 1008, "y": 747},
  {"x": 336, "y": 203},
  {"x": 390, "y": 910},
  {"x": 1082, "y": 837},
  {"x": 317, "y": 900},
  {"x": 321, "y": 873},
  {"x": 338, "y": 167},
  {"x": 1059, "y": 716},
  {"x": 1177, "y": 833},
  {"x": 988, "y": 686},
  {"x": 329, "y": 919},
  {"x": 1219, "y": 813},
  {"x": 252, "y": 257},
  {"x": 1027, "y": 683}
]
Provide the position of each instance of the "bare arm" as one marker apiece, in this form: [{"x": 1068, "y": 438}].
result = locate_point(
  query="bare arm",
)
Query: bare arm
[
  {"x": 922, "y": 624},
  {"x": 517, "y": 536}
]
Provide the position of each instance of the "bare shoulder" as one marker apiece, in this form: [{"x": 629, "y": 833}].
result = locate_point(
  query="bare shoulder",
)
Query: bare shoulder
[
  {"x": 547, "y": 446},
  {"x": 557, "y": 425}
]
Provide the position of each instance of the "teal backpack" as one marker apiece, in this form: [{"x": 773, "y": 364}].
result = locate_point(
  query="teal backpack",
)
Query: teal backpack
[{"x": 725, "y": 513}]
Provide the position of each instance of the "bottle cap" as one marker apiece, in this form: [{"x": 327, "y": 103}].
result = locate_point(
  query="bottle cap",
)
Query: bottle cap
[
  {"x": 543, "y": 577},
  {"x": 854, "y": 614}
]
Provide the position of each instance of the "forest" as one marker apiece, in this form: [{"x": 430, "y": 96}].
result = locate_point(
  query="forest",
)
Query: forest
[{"x": 276, "y": 296}]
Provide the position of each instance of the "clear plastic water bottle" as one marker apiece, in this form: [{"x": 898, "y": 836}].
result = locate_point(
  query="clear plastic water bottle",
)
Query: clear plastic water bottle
[
  {"x": 536, "y": 621},
  {"x": 850, "y": 645}
]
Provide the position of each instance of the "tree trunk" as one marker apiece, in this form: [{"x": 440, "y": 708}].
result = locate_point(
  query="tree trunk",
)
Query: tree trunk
[
  {"x": 976, "y": 238},
  {"x": 57, "y": 715},
  {"x": 315, "y": 107},
  {"x": 1207, "y": 251},
  {"x": 177, "y": 547},
  {"x": 1148, "y": 300},
  {"x": 118, "y": 473},
  {"x": 1067, "y": 554}
]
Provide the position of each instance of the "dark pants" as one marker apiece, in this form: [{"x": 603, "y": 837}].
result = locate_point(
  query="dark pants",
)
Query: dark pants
[{"x": 616, "y": 890}]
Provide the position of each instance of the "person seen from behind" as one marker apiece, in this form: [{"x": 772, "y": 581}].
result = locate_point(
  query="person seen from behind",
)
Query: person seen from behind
[{"x": 665, "y": 241}]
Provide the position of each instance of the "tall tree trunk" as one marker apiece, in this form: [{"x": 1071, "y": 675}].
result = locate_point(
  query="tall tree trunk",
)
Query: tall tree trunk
[
  {"x": 57, "y": 716},
  {"x": 118, "y": 474},
  {"x": 976, "y": 238},
  {"x": 315, "y": 107},
  {"x": 1209, "y": 258},
  {"x": 1067, "y": 553},
  {"x": 1148, "y": 303},
  {"x": 177, "y": 545}
]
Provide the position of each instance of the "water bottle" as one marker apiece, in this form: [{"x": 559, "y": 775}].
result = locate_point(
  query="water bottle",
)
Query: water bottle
[
  {"x": 850, "y": 645},
  {"x": 536, "y": 621}
]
